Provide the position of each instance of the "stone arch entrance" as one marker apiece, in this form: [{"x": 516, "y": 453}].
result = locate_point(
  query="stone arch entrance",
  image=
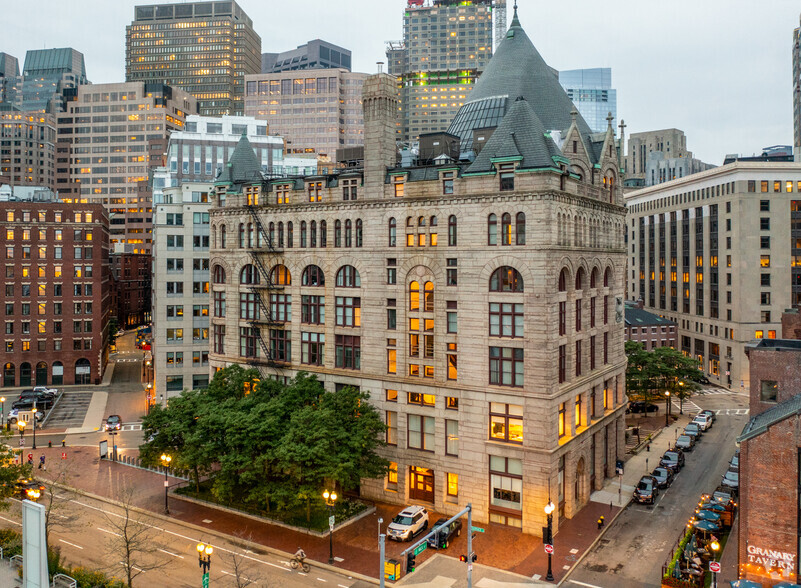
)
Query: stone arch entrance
[{"x": 580, "y": 490}]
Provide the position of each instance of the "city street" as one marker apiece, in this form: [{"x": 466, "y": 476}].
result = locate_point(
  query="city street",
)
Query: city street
[{"x": 632, "y": 551}]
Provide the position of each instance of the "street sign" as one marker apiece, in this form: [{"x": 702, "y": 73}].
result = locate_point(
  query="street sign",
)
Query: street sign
[
  {"x": 714, "y": 566},
  {"x": 548, "y": 548},
  {"x": 206, "y": 580},
  {"x": 331, "y": 522},
  {"x": 477, "y": 529},
  {"x": 420, "y": 548}
]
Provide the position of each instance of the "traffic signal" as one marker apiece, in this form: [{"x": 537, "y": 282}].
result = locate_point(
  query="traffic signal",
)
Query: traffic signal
[
  {"x": 410, "y": 562},
  {"x": 463, "y": 558},
  {"x": 473, "y": 557}
]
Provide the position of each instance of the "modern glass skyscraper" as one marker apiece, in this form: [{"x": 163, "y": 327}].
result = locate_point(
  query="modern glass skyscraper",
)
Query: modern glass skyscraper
[
  {"x": 45, "y": 76},
  {"x": 592, "y": 93},
  {"x": 797, "y": 92},
  {"x": 446, "y": 45},
  {"x": 204, "y": 48}
]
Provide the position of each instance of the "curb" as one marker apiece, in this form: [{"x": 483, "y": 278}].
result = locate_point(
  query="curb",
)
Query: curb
[
  {"x": 244, "y": 543},
  {"x": 592, "y": 545}
]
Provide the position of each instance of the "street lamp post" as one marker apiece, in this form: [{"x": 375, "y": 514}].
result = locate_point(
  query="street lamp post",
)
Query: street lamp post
[
  {"x": 549, "y": 508},
  {"x": 667, "y": 406},
  {"x": 33, "y": 422},
  {"x": 204, "y": 561},
  {"x": 21, "y": 425},
  {"x": 330, "y": 502},
  {"x": 165, "y": 460},
  {"x": 715, "y": 546},
  {"x": 681, "y": 398},
  {"x": 3, "y": 412}
]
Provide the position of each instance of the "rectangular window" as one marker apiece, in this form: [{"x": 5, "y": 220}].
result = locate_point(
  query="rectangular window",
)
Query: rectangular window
[
  {"x": 392, "y": 319},
  {"x": 392, "y": 476},
  {"x": 506, "y": 422},
  {"x": 578, "y": 315},
  {"x": 392, "y": 361},
  {"x": 420, "y": 432},
  {"x": 578, "y": 358},
  {"x": 768, "y": 391},
  {"x": 348, "y": 352},
  {"x": 453, "y": 484},
  {"x": 562, "y": 363},
  {"x": 421, "y": 399},
  {"x": 562, "y": 420},
  {"x": 392, "y": 427},
  {"x": 506, "y": 320},
  {"x": 451, "y": 437},
  {"x": 348, "y": 311},
  {"x": 506, "y": 484},
  {"x": 312, "y": 348},
  {"x": 451, "y": 322},
  {"x": 506, "y": 366},
  {"x": 312, "y": 310},
  {"x": 392, "y": 395}
]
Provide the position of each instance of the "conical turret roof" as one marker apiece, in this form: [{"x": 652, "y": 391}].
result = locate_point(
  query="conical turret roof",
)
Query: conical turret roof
[
  {"x": 516, "y": 69},
  {"x": 243, "y": 165}
]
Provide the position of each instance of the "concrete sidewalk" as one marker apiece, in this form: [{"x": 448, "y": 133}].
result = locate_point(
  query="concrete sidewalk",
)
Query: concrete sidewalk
[{"x": 618, "y": 492}]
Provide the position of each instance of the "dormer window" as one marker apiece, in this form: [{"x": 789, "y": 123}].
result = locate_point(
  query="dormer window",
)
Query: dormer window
[
  {"x": 399, "y": 183},
  {"x": 447, "y": 183},
  {"x": 315, "y": 190},
  {"x": 282, "y": 193},
  {"x": 252, "y": 194},
  {"x": 506, "y": 171},
  {"x": 349, "y": 189}
]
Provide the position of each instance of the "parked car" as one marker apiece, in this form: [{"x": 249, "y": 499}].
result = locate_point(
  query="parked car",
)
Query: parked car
[
  {"x": 45, "y": 390},
  {"x": 700, "y": 378},
  {"x": 673, "y": 460},
  {"x": 664, "y": 476},
  {"x": 442, "y": 538},
  {"x": 640, "y": 406},
  {"x": 113, "y": 423},
  {"x": 13, "y": 416},
  {"x": 694, "y": 428},
  {"x": 734, "y": 464},
  {"x": 29, "y": 489},
  {"x": 36, "y": 394},
  {"x": 731, "y": 479},
  {"x": 647, "y": 490},
  {"x": 685, "y": 442},
  {"x": 703, "y": 420},
  {"x": 408, "y": 523},
  {"x": 710, "y": 414},
  {"x": 27, "y": 403}
]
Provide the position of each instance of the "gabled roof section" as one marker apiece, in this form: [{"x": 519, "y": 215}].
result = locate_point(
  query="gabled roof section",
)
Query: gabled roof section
[
  {"x": 243, "y": 165},
  {"x": 637, "y": 317},
  {"x": 522, "y": 136},
  {"x": 760, "y": 423},
  {"x": 517, "y": 69}
]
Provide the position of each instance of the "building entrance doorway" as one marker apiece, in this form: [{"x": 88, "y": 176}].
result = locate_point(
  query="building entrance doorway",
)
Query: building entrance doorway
[{"x": 422, "y": 484}]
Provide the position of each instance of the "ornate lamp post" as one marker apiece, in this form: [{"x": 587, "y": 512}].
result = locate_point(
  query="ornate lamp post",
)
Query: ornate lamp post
[
  {"x": 165, "y": 460},
  {"x": 204, "y": 561},
  {"x": 21, "y": 425},
  {"x": 2, "y": 412},
  {"x": 33, "y": 423},
  {"x": 549, "y": 508},
  {"x": 667, "y": 406},
  {"x": 714, "y": 546},
  {"x": 330, "y": 502}
]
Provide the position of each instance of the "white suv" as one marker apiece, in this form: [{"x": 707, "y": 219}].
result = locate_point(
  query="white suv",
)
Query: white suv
[
  {"x": 704, "y": 421},
  {"x": 408, "y": 523}
]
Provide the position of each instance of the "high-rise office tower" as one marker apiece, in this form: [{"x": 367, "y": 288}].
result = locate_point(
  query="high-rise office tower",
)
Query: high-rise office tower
[
  {"x": 797, "y": 92},
  {"x": 592, "y": 93},
  {"x": 28, "y": 149},
  {"x": 110, "y": 137},
  {"x": 46, "y": 75},
  {"x": 316, "y": 54},
  {"x": 204, "y": 48},
  {"x": 446, "y": 45}
]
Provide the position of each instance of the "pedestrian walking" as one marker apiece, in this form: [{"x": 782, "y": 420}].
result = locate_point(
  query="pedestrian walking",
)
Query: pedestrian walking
[
  {"x": 30, "y": 459},
  {"x": 42, "y": 465}
]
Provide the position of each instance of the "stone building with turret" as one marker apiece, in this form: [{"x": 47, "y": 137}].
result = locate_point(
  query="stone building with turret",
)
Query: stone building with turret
[{"x": 479, "y": 300}]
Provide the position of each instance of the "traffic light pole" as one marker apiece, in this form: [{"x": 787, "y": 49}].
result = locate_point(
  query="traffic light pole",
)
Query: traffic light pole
[
  {"x": 381, "y": 542},
  {"x": 469, "y": 547}
]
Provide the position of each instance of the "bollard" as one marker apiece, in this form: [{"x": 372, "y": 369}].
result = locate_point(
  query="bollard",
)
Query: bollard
[
  {"x": 63, "y": 442},
  {"x": 50, "y": 444},
  {"x": 600, "y": 522}
]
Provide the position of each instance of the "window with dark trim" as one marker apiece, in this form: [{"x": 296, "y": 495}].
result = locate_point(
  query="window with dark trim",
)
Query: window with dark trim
[
  {"x": 312, "y": 310},
  {"x": 506, "y": 422},
  {"x": 506, "y": 320},
  {"x": 348, "y": 352},
  {"x": 420, "y": 432},
  {"x": 506, "y": 366},
  {"x": 312, "y": 348}
]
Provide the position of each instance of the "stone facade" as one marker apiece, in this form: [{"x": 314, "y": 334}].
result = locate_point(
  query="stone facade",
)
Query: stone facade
[{"x": 477, "y": 413}]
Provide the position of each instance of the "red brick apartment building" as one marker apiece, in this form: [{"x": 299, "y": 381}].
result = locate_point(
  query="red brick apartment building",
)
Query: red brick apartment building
[
  {"x": 56, "y": 297},
  {"x": 770, "y": 464},
  {"x": 648, "y": 328}
]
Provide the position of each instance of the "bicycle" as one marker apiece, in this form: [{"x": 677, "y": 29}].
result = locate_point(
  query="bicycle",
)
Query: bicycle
[{"x": 295, "y": 562}]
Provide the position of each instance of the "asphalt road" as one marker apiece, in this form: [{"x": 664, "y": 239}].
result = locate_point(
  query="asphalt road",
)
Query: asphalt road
[
  {"x": 88, "y": 533},
  {"x": 632, "y": 551}
]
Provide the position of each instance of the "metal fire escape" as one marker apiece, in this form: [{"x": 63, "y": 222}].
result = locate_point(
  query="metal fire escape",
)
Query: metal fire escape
[{"x": 264, "y": 250}]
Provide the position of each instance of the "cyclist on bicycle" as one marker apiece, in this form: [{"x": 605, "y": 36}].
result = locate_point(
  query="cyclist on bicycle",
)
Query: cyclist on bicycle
[{"x": 300, "y": 555}]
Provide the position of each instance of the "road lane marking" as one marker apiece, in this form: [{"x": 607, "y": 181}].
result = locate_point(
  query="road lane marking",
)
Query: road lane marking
[
  {"x": 132, "y": 567},
  {"x": 10, "y": 521},
  {"x": 170, "y": 553},
  {"x": 342, "y": 586},
  {"x": 73, "y": 544},
  {"x": 321, "y": 580},
  {"x": 109, "y": 532},
  {"x": 583, "y": 584}
]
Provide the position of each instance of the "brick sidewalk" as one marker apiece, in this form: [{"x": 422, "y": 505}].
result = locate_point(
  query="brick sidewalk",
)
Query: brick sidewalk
[{"x": 500, "y": 547}]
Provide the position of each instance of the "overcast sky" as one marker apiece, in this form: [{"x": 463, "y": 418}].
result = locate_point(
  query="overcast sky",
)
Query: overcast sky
[{"x": 720, "y": 70}]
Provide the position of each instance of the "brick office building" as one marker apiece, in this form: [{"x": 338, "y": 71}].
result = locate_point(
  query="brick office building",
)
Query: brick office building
[
  {"x": 131, "y": 278},
  {"x": 55, "y": 294},
  {"x": 770, "y": 464}
]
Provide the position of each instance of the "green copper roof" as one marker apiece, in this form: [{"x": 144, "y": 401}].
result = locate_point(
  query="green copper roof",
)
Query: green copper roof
[{"x": 243, "y": 166}]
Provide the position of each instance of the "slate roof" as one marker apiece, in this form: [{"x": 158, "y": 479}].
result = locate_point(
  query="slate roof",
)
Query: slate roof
[
  {"x": 637, "y": 317},
  {"x": 517, "y": 69},
  {"x": 243, "y": 165},
  {"x": 760, "y": 423},
  {"x": 521, "y": 134}
]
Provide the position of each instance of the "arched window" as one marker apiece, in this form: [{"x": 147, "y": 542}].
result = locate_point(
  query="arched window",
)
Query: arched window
[
  {"x": 594, "y": 278},
  {"x": 409, "y": 221},
  {"x": 580, "y": 279},
  {"x": 432, "y": 221},
  {"x": 280, "y": 276},
  {"x": 313, "y": 233},
  {"x": 323, "y": 234},
  {"x": 393, "y": 232},
  {"x": 338, "y": 233},
  {"x": 289, "y": 235},
  {"x": 452, "y": 230},
  {"x": 83, "y": 371},
  {"x": 492, "y": 230},
  {"x": 249, "y": 275},
  {"x": 9, "y": 375},
  {"x": 214, "y": 236},
  {"x": 219, "y": 274},
  {"x": 303, "y": 235},
  {"x": 25, "y": 374},
  {"x": 41, "y": 374},
  {"x": 280, "y": 234},
  {"x": 506, "y": 229},
  {"x": 520, "y": 228},
  {"x": 313, "y": 276},
  {"x": 348, "y": 233},
  {"x": 348, "y": 277},
  {"x": 414, "y": 296},
  {"x": 242, "y": 234},
  {"x": 506, "y": 279},
  {"x": 223, "y": 244},
  {"x": 359, "y": 232},
  {"x": 607, "y": 277},
  {"x": 421, "y": 221},
  {"x": 563, "y": 280},
  {"x": 428, "y": 294}
]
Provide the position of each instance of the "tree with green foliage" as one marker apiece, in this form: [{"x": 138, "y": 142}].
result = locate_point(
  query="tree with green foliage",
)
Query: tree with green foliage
[
  {"x": 651, "y": 374},
  {"x": 12, "y": 469}
]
